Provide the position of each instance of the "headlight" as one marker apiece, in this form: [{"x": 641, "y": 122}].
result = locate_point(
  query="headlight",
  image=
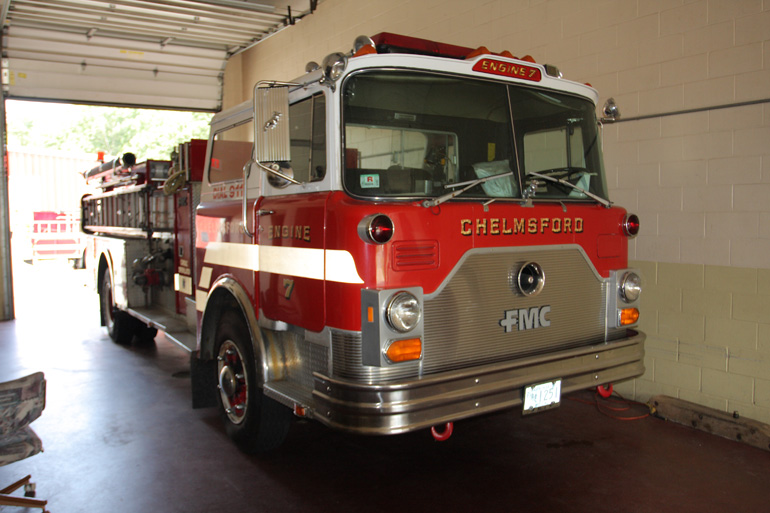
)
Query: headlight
[
  {"x": 404, "y": 312},
  {"x": 630, "y": 287}
]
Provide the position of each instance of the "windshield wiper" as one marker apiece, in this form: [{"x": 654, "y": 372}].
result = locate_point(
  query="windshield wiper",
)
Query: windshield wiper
[
  {"x": 562, "y": 181},
  {"x": 468, "y": 185}
]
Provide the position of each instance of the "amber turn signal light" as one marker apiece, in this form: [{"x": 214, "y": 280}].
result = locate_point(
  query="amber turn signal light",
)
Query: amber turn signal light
[
  {"x": 629, "y": 316},
  {"x": 404, "y": 350}
]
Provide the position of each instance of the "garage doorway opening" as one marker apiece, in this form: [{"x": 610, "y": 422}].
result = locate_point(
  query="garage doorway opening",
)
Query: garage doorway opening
[{"x": 50, "y": 147}]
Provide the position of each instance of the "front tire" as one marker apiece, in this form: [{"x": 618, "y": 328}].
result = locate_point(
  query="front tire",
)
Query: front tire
[{"x": 255, "y": 423}]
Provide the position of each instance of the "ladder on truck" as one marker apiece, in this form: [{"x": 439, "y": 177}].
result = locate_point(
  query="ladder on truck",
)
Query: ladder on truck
[{"x": 134, "y": 211}]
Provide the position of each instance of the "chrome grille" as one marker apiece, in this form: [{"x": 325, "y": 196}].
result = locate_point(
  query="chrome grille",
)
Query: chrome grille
[{"x": 462, "y": 320}]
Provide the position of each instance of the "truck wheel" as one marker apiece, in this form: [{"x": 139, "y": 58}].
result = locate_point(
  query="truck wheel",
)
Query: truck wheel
[
  {"x": 255, "y": 423},
  {"x": 119, "y": 324},
  {"x": 146, "y": 334}
]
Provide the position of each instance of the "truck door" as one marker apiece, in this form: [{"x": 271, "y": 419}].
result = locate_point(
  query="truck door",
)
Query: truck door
[
  {"x": 291, "y": 220},
  {"x": 222, "y": 246}
]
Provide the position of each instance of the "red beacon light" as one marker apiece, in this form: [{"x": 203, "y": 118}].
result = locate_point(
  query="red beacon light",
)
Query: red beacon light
[
  {"x": 630, "y": 225},
  {"x": 386, "y": 42},
  {"x": 377, "y": 228}
]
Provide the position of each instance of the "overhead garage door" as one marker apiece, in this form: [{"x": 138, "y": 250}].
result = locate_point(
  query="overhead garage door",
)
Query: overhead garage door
[
  {"x": 138, "y": 53},
  {"x": 164, "y": 53}
]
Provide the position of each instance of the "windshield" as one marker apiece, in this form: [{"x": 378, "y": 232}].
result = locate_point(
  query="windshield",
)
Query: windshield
[{"x": 410, "y": 134}]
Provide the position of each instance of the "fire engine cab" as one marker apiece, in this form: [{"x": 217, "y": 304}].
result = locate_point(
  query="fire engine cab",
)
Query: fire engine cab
[{"x": 410, "y": 234}]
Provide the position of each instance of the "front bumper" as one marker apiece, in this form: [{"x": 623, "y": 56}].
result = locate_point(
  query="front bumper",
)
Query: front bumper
[{"x": 404, "y": 406}]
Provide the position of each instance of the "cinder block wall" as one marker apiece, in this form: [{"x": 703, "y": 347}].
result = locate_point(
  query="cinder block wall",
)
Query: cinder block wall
[{"x": 700, "y": 181}]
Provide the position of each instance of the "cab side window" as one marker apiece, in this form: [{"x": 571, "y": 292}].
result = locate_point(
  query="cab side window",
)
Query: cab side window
[
  {"x": 231, "y": 150},
  {"x": 308, "y": 138}
]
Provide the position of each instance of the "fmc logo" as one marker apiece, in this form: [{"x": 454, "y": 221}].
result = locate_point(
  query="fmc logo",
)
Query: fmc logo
[{"x": 526, "y": 318}]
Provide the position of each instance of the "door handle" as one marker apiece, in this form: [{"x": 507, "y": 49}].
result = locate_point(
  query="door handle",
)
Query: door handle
[{"x": 246, "y": 171}]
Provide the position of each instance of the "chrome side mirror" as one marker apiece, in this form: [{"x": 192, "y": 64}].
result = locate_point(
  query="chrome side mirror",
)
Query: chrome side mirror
[
  {"x": 272, "y": 141},
  {"x": 271, "y": 123},
  {"x": 280, "y": 175}
]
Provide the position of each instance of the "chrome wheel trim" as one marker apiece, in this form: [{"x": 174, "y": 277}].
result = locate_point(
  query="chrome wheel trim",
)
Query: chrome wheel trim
[{"x": 232, "y": 382}]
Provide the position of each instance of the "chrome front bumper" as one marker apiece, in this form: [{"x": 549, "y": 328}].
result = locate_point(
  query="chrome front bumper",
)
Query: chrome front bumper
[{"x": 402, "y": 406}]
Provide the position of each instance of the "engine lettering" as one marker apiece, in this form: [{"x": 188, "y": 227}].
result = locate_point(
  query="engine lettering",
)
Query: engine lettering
[
  {"x": 297, "y": 232},
  {"x": 508, "y": 69}
]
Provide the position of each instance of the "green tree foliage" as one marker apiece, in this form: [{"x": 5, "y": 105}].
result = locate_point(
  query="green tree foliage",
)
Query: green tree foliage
[{"x": 149, "y": 134}]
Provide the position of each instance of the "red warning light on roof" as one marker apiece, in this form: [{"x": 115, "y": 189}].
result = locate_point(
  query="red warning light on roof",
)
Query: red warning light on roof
[{"x": 508, "y": 69}]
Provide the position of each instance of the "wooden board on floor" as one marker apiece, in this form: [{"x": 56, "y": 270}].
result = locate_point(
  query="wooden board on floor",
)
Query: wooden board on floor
[{"x": 720, "y": 423}]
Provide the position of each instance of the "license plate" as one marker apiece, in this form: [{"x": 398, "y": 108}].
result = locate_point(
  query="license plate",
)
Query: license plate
[{"x": 542, "y": 396}]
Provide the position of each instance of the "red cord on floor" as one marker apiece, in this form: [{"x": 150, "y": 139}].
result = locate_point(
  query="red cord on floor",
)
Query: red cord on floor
[{"x": 609, "y": 406}]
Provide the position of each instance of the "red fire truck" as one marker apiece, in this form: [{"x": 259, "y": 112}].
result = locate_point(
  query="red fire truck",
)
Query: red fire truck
[
  {"x": 55, "y": 236},
  {"x": 410, "y": 234}
]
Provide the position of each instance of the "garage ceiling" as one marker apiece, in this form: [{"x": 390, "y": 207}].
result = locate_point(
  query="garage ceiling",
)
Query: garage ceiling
[{"x": 158, "y": 54}]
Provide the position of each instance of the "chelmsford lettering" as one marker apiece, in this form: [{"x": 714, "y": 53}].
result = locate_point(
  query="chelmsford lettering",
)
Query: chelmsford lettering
[
  {"x": 521, "y": 225},
  {"x": 297, "y": 232}
]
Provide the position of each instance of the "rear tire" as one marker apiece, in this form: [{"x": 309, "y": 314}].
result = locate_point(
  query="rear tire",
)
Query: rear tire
[
  {"x": 255, "y": 423},
  {"x": 120, "y": 325}
]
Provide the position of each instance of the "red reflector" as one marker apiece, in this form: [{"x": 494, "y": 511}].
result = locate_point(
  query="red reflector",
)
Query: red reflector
[{"x": 631, "y": 225}]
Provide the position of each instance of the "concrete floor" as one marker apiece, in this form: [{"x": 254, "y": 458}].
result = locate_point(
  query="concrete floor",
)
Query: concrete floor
[{"x": 120, "y": 435}]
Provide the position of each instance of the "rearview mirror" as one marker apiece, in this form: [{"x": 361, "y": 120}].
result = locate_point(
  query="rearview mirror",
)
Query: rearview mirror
[{"x": 271, "y": 123}]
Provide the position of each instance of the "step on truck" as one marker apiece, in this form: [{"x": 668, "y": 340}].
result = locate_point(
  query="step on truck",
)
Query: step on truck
[{"x": 410, "y": 234}]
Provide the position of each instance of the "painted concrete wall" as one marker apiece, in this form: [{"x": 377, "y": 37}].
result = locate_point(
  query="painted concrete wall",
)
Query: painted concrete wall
[{"x": 700, "y": 181}]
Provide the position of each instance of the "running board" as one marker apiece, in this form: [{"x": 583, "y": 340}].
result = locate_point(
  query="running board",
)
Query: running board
[
  {"x": 174, "y": 329},
  {"x": 290, "y": 394}
]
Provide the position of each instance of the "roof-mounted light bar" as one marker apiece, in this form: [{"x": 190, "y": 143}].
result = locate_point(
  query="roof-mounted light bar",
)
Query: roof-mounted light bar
[{"x": 334, "y": 64}]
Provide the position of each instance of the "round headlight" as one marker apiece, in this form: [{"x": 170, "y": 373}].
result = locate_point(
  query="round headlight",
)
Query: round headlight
[
  {"x": 630, "y": 287},
  {"x": 404, "y": 312}
]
